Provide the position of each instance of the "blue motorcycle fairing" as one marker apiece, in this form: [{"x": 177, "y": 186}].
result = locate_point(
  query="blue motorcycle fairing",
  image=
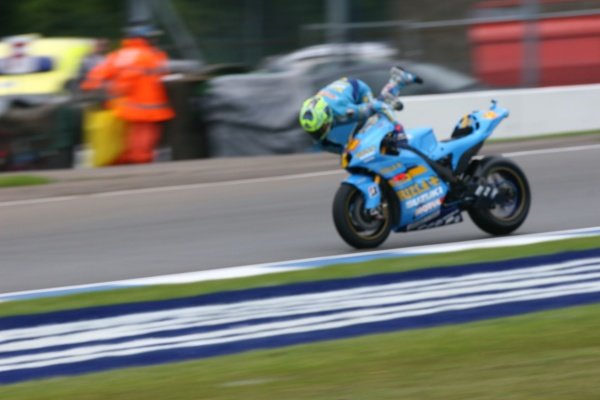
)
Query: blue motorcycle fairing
[
  {"x": 419, "y": 190},
  {"x": 423, "y": 139},
  {"x": 483, "y": 124},
  {"x": 446, "y": 216},
  {"x": 368, "y": 187},
  {"x": 340, "y": 134},
  {"x": 368, "y": 157}
]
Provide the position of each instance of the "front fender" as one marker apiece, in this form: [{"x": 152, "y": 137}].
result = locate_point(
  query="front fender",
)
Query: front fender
[{"x": 368, "y": 186}]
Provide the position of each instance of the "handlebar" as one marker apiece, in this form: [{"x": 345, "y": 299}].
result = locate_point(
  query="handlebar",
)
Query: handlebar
[{"x": 397, "y": 105}]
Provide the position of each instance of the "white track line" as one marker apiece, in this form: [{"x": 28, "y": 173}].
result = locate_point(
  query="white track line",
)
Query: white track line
[
  {"x": 552, "y": 151},
  {"x": 172, "y": 188},
  {"x": 291, "y": 265},
  {"x": 255, "y": 180}
]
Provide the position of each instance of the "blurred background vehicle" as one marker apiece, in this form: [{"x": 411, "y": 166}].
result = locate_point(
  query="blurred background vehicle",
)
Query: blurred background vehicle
[
  {"x": 37, "y": 126},
  {"x": 370, "y": 62},
  {"x": 293, "y": 48},
  {"x": 32, "y": 66},
  {"x": 257, "y": 113}
]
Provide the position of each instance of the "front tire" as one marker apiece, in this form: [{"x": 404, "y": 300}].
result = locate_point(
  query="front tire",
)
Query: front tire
[
  {"x": 506, "y": 215},
  {"x": 353, "y": 222}
]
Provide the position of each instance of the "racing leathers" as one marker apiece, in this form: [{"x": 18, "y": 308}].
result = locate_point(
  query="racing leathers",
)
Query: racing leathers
[{"x": 352, "y": 102}]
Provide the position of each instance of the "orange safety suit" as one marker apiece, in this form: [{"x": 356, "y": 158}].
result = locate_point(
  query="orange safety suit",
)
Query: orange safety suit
[{"x": 132, "y": 76}]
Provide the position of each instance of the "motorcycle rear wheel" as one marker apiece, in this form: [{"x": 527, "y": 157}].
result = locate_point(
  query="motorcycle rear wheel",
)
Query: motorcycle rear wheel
[
  {"x": 353, "y": 222},
  {"x": 504, "y": 217}
]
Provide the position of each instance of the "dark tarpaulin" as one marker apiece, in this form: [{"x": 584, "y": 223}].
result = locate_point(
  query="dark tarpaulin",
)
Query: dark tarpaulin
[{"x": 256, "y": 114}]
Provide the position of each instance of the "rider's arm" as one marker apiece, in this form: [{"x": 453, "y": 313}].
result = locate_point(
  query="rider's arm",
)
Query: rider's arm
[
  {"x": 365, "y": 104},
  {"x": 355, "y": 103},
  {"x": 355, "y": 113}
]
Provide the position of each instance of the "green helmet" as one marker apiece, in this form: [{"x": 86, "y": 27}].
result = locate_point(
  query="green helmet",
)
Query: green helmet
[{"x": 316, "y": 117}]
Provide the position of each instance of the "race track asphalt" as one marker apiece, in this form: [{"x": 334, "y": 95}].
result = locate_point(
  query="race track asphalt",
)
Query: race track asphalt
[{"x": 222, "y": 220}]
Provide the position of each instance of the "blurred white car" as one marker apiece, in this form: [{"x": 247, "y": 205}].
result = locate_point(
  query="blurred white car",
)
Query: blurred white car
[
  {"x": 369, "y": 62},
  {"x": 257, "y": 112}
]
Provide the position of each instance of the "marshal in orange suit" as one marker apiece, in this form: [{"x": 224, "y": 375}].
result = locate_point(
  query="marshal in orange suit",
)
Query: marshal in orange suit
[{"x": 132, "y": 77}]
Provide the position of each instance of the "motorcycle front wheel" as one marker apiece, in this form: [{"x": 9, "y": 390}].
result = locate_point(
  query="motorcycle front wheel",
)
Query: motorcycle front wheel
[
  {"x": 356, "y": 225},
  {"x": 509, "y": 212}
]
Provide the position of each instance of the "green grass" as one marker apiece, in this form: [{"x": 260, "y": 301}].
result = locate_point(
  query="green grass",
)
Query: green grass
[
  {"x": 336, "y": 271},
  {"x": 552, "y": 355},
  {"x": 22, "y": 180}
]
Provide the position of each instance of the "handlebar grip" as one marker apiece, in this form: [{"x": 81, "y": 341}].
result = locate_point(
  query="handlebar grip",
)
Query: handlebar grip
[{"x": 397, "y": 105}]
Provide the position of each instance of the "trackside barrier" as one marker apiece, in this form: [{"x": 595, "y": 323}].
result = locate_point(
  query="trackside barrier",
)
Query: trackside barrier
[{"x": 533, "y": 112}]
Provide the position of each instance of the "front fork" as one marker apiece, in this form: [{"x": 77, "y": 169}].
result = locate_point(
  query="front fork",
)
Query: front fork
[{"x": 369, "y": 187}]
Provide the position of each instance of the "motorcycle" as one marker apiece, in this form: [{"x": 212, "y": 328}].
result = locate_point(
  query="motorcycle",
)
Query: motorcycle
[{"x": 426, "y": 183}]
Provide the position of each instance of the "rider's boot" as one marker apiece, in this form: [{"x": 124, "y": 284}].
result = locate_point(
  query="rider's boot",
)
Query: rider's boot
[{"x": 398, "y": 79}]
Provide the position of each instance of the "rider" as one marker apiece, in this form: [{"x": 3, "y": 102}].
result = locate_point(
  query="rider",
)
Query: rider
[{"x": 348, "y": 101}]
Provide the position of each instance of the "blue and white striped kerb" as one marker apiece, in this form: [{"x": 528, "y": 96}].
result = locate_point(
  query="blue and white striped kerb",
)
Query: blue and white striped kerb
[{"x": 101, "y": 338}]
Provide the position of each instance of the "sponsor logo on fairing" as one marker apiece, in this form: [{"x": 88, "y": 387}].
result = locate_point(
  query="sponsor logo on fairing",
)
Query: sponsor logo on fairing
[
  {"x": 392, "y": 168},
  {"x": 373, "y": 190},
  {"x": 404, "y": 177},
  {"x": 428, "y": 207},
  {"x": 432, "y": 194},
  {"x": 366, "y": 154},
  {"x": 418, "y": 188}
]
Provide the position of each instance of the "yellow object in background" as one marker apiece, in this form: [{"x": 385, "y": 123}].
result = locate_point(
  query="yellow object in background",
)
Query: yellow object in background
[
  {"x": 105, "y": 136},
  {"x": 63, "y": 56}
]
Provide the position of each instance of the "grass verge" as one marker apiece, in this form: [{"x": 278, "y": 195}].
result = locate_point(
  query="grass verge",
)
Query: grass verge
[
  {"x": 552, "y": 355},
  {"x": 160, "y": 292},
  {"x": 23, "y": 180}
]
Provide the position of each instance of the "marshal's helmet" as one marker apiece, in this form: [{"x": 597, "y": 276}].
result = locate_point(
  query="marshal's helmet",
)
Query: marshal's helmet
[{"x": 316, "y": 117}]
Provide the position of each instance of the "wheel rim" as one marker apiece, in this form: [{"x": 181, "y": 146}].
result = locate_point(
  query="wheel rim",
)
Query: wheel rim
[
  {"x": 512, "y": 191},
  {"x": 360, "y": 221}
]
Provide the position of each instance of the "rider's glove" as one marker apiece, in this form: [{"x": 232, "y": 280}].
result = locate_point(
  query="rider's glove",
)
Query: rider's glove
[
  {"x": 382, "y": 107},
  {"x": 385, "y": 109}
]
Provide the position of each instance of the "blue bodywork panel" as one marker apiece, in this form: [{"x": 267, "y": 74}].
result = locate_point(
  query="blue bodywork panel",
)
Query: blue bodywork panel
[{"x": 419, "y": 190}]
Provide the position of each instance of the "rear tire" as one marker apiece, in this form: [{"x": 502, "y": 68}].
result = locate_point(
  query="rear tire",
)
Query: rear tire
[
  {"x": 354, "y": 224},
  {"x": 503, "y": 217}
]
